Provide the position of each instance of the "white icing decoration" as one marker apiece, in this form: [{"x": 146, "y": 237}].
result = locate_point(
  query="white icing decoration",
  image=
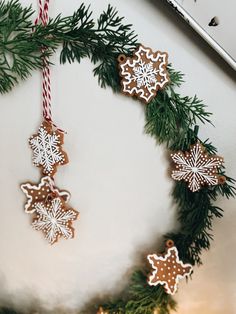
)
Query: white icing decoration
[
  {"x": 44, "y": 181},
  {"x": 46, "y": 152},
  {"x": 144, "y": 74},
  {"x": 53, "y": 220},
  {"x": 195, "y": 168}
]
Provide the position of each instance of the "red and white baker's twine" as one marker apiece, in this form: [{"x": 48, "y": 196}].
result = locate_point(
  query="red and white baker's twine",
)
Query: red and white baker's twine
[
  {"x": 52, "y": 185},
  {"x": 46, "y": 84},
  {"x": 43, "y": 12}
]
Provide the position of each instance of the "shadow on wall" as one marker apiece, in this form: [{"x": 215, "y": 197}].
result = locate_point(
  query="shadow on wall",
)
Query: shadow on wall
[
  {"x": 139, "y": 262},
  {"x": 26, "y": 302},
  {"x": 29, "y": 304},
  {"x": 192, "y": 36}
]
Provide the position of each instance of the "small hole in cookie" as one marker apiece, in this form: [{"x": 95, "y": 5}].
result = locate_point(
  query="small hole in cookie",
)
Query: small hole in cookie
[{"x": 121, "y": 58}]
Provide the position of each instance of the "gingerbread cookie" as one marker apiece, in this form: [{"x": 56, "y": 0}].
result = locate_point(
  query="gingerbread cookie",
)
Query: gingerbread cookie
[
  {"x": 168, "y": 269},
  {"x": 54, "y": 220},
  {"x": 47, "y": 150},
  {"x": 42, "y": 192},
  {"x": 144, "y": 73},
  {"x": 197, "y": 168}
]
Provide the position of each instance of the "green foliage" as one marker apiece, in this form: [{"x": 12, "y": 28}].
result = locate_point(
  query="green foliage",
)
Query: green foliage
[
  {"x": 139, "y": 298},
  {"x": 196, "y": 212},
  {"x": 102, "y": 42},
  {"x": 20, "y": 47},
  {"x": 15, "y": 46},
  {"x": 170, "y": 118},
  {"x": 21, "y": 42}
]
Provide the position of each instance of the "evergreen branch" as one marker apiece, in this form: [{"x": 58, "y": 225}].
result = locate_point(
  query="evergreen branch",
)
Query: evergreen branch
[
  {"x": 139, "y": 298},
  {"x": 102, "y": 45},
  {"x": 20, "y": 49},
  {"x": 22, "y": 42},
  {"x": 170, "y": 116},
  {"x": 176, "y": 77}
]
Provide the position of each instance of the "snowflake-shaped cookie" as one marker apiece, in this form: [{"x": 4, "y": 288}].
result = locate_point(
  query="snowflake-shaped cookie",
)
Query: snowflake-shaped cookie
[
  {"x": 54, "y": 220},
  {"x": 197, "y": 168},
  {"x": 47, "y": 150},
  {"x": 168, "y": 269},
  {"x": 144, "y": 73},
  {"x": 42, "y": 192}
]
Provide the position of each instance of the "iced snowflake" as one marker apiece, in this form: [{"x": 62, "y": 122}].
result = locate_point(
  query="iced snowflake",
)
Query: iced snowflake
[
  {"x": 47, "y": 151},
  {"x": 54, "y": 220},
  {"x": 144, "y": 73},
  {"x": 196, "y": 167}
]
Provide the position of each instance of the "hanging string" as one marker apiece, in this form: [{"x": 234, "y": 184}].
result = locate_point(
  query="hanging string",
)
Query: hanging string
[
  {"x": 46, "y": 83},
  {"x": 43, "y": 12}
]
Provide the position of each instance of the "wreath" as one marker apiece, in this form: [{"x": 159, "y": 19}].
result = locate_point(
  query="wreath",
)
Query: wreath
[{"x": 124, "y": 65}]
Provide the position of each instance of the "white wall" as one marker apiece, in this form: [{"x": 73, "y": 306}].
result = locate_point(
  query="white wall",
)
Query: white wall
[
  {"x": 203, "y": 11},
  {"x": 117, "y": 175}
]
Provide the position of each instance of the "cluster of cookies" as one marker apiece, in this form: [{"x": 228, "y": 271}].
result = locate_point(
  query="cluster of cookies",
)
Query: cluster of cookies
[{"x": 46, "y": 202}]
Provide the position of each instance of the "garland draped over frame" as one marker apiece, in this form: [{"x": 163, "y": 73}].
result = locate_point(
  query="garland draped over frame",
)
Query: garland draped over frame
[{"x": 170, "y": 118}]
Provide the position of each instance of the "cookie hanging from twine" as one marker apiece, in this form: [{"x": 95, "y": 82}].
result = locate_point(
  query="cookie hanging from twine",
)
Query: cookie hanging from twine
[
  {"x": 47, "y": 148},
  {"x": 197, "y": 167},
  {"x": 144, "y": 73},
  {"x": 42, "y": 192},
  {"x": 168, "y": 269},
  {"x": 54, "y": 219}
]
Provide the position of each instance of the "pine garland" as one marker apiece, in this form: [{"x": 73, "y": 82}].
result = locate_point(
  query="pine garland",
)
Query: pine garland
[
  {"x": 21, "y": 42},
  {"x": 170, "y": 118}
]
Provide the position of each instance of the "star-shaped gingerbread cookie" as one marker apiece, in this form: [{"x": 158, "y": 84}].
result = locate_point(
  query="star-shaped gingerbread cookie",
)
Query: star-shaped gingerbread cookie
[
  {"x": 168, "y": 269},
  {"x": 47, "y": 148},
  {"x": 41, "y": 192}
]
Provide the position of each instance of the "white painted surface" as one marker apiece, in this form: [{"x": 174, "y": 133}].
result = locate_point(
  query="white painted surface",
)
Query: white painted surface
[
  {"x": 117, "y": 176},
  {"x": 217, "y": 32},
  {"x": 204, "y": 10}
]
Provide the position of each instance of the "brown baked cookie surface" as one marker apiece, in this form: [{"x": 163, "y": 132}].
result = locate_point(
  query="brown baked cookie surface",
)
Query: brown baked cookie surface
[
  {"x": 41, "y": 192},
  {"x": 47, "y": 149}
]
